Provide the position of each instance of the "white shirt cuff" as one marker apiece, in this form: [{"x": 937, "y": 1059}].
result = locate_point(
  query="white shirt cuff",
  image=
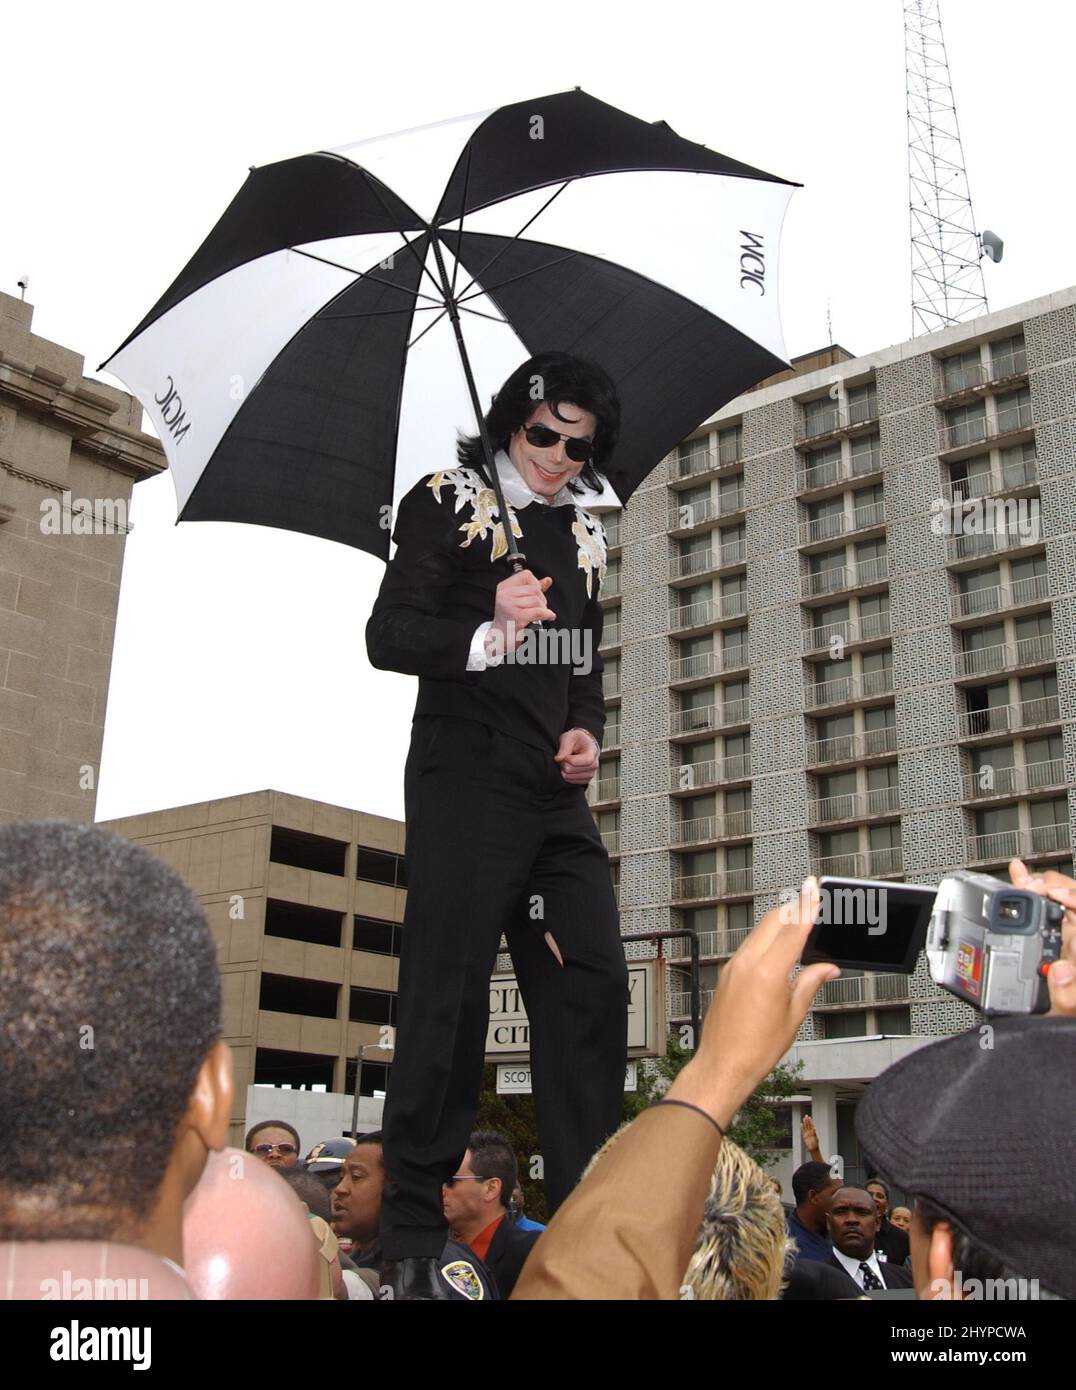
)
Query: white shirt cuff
[{"x": 477, "y": 659}]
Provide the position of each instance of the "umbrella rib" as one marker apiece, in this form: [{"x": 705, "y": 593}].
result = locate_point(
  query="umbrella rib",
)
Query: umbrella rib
[
  {"x": 463, "y": 207},
  {"x": 479, "y": 314},
  {"x": 478, "y": 273},
  {"x": 423, "y": 268},
  {"x": 434, "y": 324},
  {"x": 522, "y": 275},
  {"x": 364, "y": 275}
]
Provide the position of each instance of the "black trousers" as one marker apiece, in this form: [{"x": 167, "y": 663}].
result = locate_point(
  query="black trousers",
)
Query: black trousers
[{"x": 491, "y": 823}]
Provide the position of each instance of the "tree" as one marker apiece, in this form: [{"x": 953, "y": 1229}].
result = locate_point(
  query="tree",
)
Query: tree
[
  {"x": 754, "y": 1128},
  {"x": 514, "y": 1117}
]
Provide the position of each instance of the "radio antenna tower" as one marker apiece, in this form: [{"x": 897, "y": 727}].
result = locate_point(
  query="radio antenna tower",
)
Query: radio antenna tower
[{"x": 947, "y": 277}]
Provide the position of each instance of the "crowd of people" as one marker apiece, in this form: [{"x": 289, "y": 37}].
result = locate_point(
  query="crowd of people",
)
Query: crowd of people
[{"x": 111, "y": 1032}]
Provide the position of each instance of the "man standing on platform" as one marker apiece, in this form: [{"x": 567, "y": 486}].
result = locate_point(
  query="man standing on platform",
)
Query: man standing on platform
[{"x": 506, "y": 735}]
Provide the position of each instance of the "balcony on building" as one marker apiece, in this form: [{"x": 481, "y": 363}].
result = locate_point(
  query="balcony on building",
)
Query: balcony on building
[
  {"x": 708, "y": 613},
  {"x": 719, "y": 662},
  {"x": 707, "y": 719},
  {"x": 874, "y": 863},
  {"x": 715, "y": 452},
  {"x": 864, "y": 989},
  {"x": 1023, "y": 653},
  {"x": 687, "y": 514},
  {"x": 855, "y": 806},
  {"x": 711, "y": 772},
  {"x": 1026, "y": 843},
  {"x": 1004, "y": 719},
  {"x": 825, "y": 418},
  {"x": 680, "y": 1003},
  {"x": 831, "y": 469},
  {"x": 731, "y": 883},
  {"x": 818, "y": 530},
  {"x": 852, "y": 748},
  {"x": 864, "y": 574},
  {"x": 611, "y": 631},
  {"x": 611, "y": 735},
  {"x": 706, "y": 830},
  {"x": 968, "y": 374},
  {"x": 997, "y": 420},
  {"x": 611, "y": 841},
  {"x": 713, "y": 945},
  {"x": 1013, "y": 471},
  {"x": 851, "y": 632},
  {"x": 611, "y": 520},
  {"x": 1029, "y": 592},
  {"x": 605, "y": 791},
  {"x": 850, "y": 690},
  {"x": 1007, "y": 782}
]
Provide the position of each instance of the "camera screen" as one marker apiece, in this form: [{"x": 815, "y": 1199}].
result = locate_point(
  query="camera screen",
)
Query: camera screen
[{"x": 870, "y": 926}]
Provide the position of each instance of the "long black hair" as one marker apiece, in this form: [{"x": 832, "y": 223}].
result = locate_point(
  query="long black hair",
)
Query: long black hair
[{"x": 552, "y": 377}]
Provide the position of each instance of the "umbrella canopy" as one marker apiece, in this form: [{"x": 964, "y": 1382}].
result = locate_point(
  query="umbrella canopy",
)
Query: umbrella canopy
[{"x": 304, "y": 368}]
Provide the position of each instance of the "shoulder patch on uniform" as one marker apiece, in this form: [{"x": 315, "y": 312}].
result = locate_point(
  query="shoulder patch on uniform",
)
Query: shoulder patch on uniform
[{"x": 464, "y": 1279}]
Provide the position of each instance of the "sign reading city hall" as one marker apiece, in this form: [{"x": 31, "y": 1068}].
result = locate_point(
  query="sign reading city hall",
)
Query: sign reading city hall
[{"x": 509, "y": 1029}]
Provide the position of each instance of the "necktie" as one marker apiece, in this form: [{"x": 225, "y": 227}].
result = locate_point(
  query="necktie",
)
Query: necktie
[{"x": 870, "y": 1279}]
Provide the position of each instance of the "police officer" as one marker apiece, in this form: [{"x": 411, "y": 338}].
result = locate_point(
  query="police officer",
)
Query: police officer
[{"x": 506, "y": 735}]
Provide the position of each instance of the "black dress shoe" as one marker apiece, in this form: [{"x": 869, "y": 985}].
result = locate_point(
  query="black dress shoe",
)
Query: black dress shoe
[{"x": 417, "y": 1278}]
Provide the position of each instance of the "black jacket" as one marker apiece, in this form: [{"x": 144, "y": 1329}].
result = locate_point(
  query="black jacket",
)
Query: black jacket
[
  {"x": 893, "y": 1276},
  {"x": 507, "y": 1254},
  {"x": 893, "y": 1242},
  {"x": 441, "y": 585}
]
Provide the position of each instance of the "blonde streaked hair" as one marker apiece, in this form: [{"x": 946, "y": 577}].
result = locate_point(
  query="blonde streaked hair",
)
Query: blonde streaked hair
[{"x": 742, "y": 1243}]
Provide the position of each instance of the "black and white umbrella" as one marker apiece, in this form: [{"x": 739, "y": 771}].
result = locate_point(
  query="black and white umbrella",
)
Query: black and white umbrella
[{"x": 352, "y": 305}]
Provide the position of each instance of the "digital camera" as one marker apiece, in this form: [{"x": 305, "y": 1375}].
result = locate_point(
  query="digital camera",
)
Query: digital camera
[{"x": 991, "y": 944}]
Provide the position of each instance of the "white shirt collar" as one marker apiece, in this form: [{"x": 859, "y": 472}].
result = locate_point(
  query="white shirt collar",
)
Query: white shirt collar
[
  {"x": 852, "y": 1266},
  {"x": 519, "y": 493}
]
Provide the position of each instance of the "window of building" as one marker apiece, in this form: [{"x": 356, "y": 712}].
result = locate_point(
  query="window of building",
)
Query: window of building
[
  {"x": 377, "y": 866},
  {"x": 303, "y": 851},
  {"x": 862, "y": 403},
  {"x": 820, "y": 416},
  {"x": 375, "y": 1077},
  {"x": 866, "y": 453},
  {"x": 1014, "y": 410},
  {"x": 1008, "y": 356},
  {"x": 961, "y": 371},
  {"x": 295, "y": 1071},
  {"x": 894, "y": 1023},
  {"x": 850, "y": 1023},
  {"x": 284, "y": 994},
  {"x": 380, "y": 937},
  {"x": 730, "y": 444},
  {"x": 372, "y": 1006},
  {"x": 298, "y": 922}
]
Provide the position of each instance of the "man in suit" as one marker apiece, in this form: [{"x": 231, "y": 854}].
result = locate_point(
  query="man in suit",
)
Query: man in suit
[
  {"x": 476, "y": 1208},
  {"x": 499, "y": 836},
  {"x": 853, "y": 1224}
]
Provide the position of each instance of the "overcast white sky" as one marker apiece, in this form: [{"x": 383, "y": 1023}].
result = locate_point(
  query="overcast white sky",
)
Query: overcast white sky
[{"x": 240, "y": 660}]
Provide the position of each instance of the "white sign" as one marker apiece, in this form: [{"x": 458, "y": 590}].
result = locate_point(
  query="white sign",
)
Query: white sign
[
  {"x": 514, "y": 1078},
  {"x": 509, "y": 1028}
]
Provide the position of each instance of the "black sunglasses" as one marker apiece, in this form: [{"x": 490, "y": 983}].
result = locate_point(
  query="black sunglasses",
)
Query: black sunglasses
[{"x": 542, "y": 437}]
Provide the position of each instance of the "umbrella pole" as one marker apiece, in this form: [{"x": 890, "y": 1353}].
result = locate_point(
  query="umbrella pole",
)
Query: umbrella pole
[{"x": 516, "y": 558}]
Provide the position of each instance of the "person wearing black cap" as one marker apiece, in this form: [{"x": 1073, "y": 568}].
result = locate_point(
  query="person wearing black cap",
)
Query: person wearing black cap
[
  {"x": 993, "y": 1184},
  {"x": 507, "y": 733}
]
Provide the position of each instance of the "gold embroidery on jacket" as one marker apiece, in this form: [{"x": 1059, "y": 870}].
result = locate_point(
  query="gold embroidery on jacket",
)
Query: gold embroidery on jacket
[{"x": 483, "y": 500}]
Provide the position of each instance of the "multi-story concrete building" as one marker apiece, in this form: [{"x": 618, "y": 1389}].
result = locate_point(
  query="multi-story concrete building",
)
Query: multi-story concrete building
[
  {"x": 839, "y": 638},
  {"x": 71, "y": 450},
  {"x": 305, "y": 902}
]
